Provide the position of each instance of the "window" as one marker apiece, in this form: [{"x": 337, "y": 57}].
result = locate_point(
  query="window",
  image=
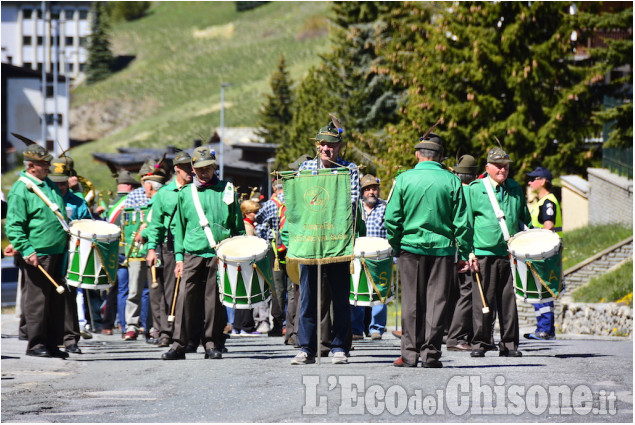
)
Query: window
[
  {"x": 26, "y": 13},
  {"x": 55, "y": 40},
  {"x": 10, "y": 59},
  {"x": 39, "y": 66},
  {"x": 68, "y": 41},
  {"x": 68, "y": 14},
  {"x": 82, "y": 67},
  {"x": 40, "y": 41},
  {"x": 83, "y": 14},
  {"x": 55, "y": 14},
  {"x": 26, "y": 40},
  {"x": 50, "y": 119},
  {"x": 28, "y": 65},
  {"x": 49, "y": 91}
]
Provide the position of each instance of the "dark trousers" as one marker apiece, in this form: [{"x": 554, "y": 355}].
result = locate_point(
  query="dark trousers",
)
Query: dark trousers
[
  {"x": 198, "y": 301},
  {"x": 460, "y": 310},
  {"x": 244, "y": 320},
  {"x": 43, "y": 306},
  {"x": 293, "y": 310},
  {"x": 498, "y": 288},
  {"x": 71, "y": 320},
  {"x": 425, "y": 281},
  {"x": 110, "y": 314},
  {"x": 278, "y": 302},
  {"x": 166, "y": 286},
  {"x": 338, "y": 278}
]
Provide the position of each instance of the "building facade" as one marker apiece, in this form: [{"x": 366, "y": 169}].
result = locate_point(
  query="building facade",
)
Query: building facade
[{"x": 38, "y": 35}]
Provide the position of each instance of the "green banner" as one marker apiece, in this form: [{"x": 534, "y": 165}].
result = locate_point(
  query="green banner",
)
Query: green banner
[
  {"x": 109, "y": 256},
  {"x": 319, "y": 215}
]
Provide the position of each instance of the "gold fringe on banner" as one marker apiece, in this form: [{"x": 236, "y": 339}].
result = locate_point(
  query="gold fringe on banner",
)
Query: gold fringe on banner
[{"x": 329, "y": 260}]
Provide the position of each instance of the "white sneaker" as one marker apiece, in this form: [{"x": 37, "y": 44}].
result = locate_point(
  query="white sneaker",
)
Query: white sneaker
[
  {"x": 339, "y": 357},
  {"x": 303, "y": 358},
  {"x": 263, "y": 328}
]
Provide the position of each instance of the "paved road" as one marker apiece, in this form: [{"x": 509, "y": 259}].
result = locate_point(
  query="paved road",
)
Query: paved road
[{"x": 122, "y": 381}]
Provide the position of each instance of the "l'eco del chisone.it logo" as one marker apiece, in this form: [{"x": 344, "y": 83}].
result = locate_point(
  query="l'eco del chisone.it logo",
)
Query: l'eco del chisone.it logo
[{"x": 316, "y": 198}]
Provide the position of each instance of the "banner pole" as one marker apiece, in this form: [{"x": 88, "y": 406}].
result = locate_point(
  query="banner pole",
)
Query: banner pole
[{"x": 319, "y": 313}]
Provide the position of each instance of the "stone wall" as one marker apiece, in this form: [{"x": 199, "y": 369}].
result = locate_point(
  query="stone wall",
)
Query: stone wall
[
  {"x": 605, "y": 319},
  {"x": 610, "y": 197}
]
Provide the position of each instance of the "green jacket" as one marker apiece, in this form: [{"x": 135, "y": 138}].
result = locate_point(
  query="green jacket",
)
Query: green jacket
[
  {"x": 31, "y": 226},
  {"x": 488, "y": 237},
  {"x": 225, "y": 220},
  {"x": 426, "y": 213},
  {"x": 163, "y": 210}
]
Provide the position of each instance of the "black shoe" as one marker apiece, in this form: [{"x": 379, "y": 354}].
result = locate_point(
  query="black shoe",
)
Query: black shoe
[
  {"x": 433, "y": 364},
  {"x": 477, "y": 352},
  {"x": 56, "y": 352},
  {"x": 213, "y": 353},
  {"x": 224, "y": 350},
  {"x": 191, "y": 348},
  {"x": 73, "y": 348},
  {"x": 173, "y": 354},
  {"x": 275, "y": 332},
  {"x": 510, "y": 353},
  {"x": 38, "y": 352}
]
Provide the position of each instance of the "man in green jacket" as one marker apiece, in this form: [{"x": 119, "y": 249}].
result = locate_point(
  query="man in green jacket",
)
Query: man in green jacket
[
  {"x": 195, "y": 254},
  {"x": 37, "y": 234},
  {"x": 491, "y": 232},
  {"x": 426, "y": 222},
  {"x": 160, "y": 235}
]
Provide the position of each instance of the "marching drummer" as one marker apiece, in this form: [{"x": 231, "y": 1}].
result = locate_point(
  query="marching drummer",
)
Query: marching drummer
[
  {"x": 496, "y": 192},
  {"x": 207, "y": 213},
  {"x": 329, "y": 145},
  {"x": 76, "y": 209},
  {"x": 426, "y": 222},
  {"x": 34, "y": 205},
  {"x": 372, "y": 212},
  {"x": 161, "y": 236},
  {"x": 545, "y": 214}
]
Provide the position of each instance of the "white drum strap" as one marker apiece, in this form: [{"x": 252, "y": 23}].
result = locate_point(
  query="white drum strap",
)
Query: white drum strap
[
  {"x": 54, "y": 207},
  {"x": 500, "y": 215},
  {"x": 202, "y": 220}
]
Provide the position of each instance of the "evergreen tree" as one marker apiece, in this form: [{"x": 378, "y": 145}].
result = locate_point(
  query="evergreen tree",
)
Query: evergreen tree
[
  {"x": 496, "y": 70},
  {"x": 613, "y": 58},
  {"x": 313, "y": 103},
  {"x": 100, "y": 57},
  {"x": 276, "y": 114}
]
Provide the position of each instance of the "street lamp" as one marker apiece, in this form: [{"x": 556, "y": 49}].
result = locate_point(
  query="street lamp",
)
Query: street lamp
[{"x": 222, "y": 127}]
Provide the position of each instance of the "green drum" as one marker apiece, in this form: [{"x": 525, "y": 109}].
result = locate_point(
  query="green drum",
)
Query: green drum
[
  {"x": 244, "y": 272},
  {"x": 536, "y": 261},
  {"x": 132, "y": 219},
  {"x": 372, "y": 276},
  {"x": 92, "y": 254}
]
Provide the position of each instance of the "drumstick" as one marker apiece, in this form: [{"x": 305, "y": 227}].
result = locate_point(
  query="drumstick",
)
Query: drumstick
[
  {"x": 155, "y": 284},
  {"x": 480, "y": 289},
  {"x": 176, "y": 291},
  {"x": 58, "y": 288}
]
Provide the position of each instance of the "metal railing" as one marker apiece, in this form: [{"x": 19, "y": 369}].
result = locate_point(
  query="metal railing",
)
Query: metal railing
[{"x": 618, "y": 160}]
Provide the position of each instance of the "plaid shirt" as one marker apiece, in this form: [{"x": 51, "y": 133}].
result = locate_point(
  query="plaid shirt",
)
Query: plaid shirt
[
  {"x": 267, "y": 219},
  {"x": 375, "y": 220},
  {"x": 314, "y": 164},
  {"x": 136, "y": 199}
]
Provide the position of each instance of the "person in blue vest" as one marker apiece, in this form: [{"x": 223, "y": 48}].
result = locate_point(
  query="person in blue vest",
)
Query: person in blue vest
[{"x": 545, "y": 214}]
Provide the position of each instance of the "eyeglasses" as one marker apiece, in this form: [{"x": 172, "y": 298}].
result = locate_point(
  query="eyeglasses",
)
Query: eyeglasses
[{"x": 535, "y": 178}]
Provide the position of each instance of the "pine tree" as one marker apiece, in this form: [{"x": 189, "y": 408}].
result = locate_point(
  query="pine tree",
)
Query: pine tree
[
  {"x": 100, "y": 57},
  {"x": 614, "y": 102},
  {"x": 276, "y": 114},
  {"x": 496, "y": 70}
]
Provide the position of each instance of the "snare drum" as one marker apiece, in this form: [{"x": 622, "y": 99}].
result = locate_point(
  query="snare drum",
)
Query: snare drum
[
  {"x": 372, "y": 277},
  {"x": 92, "y": 254},
  {"x": 244, "y": 272},
  {"x": 536, "y": 261}
]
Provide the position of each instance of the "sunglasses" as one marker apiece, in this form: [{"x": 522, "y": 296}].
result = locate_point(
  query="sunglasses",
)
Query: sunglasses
[{"x": 535, "y": 178}]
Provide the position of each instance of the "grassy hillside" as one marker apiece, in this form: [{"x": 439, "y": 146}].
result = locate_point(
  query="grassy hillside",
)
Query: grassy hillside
[{"x": 170, "y": 92}]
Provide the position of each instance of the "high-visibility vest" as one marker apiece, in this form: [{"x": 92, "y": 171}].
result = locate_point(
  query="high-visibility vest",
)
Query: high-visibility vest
[{"x": 535, "y": 212}]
